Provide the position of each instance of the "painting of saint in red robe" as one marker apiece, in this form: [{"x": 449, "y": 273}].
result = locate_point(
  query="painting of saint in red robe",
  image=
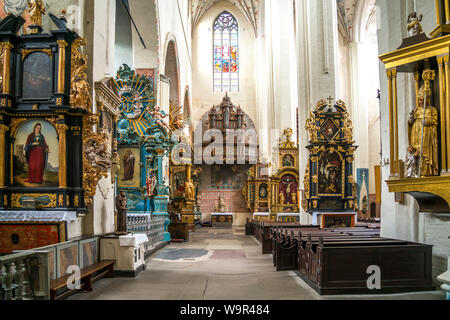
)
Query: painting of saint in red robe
[{"x": 36, "y": 154}]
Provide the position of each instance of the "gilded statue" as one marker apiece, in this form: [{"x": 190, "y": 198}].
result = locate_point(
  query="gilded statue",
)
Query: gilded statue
[
  {"x": 282, "y": 198},
  {"x": 189, "y": 190},
  {"x": 37, "y": 9},
  {"x": 294, "y": 198},
  {"x": 424, "y": 137}
]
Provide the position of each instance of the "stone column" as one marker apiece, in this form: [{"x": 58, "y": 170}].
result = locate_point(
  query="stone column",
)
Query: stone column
[{"x": 316, "y": 45}]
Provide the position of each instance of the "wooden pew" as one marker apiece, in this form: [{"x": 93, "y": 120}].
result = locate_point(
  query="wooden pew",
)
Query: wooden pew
[
  {"x": 339, "y": 265},
  {"x": 87, "y": 276}
]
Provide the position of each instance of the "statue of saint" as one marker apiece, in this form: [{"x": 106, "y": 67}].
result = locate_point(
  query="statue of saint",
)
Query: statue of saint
[
  {"x": 220, "y": 207},
  {"x": 426, "y": 126},
  {"x": 121, "y": 208},
  {"x": 37, "y": 9},
  {"x": 189, "y": 190}
]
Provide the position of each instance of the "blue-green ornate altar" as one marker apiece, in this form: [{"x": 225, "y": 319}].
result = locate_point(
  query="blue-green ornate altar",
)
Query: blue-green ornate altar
[{"x": 143, "y": 141}]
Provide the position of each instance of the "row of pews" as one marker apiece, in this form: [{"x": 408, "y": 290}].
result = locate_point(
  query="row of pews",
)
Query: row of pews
[{"x": 341, "y": 261}]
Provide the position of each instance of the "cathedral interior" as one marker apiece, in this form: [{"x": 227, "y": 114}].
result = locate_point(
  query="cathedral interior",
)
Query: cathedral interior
[{"x": 224, "y": 150}]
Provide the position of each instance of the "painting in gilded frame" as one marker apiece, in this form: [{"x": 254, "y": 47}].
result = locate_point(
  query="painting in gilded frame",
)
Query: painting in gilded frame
[
  {"x": 36, "y": 155},
  {"x": 129, "y": 173},
  {"x": 37, "y": 76},
  {"x": 330, "y": 174}
]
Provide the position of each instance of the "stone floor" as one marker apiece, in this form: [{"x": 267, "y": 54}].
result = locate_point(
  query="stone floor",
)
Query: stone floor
[{"x": 217, "y": 264}]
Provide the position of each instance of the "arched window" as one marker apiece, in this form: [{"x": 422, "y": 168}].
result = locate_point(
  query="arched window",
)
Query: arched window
[{"x": 226, "y": 53}]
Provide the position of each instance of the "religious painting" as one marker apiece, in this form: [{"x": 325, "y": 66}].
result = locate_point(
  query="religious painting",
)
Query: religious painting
[
  {"x": 67, "y": 256},
  {"x": 89, "y": 252},
  {"x": 287, "y": 189},
  {"x": 362, "y": 180},
  {"x": 263, "y": 191},
  {"x": 330, "y": 174},
  {"x": 37, "y": 76},
  {"x": 329, "y": 130},
  {"x": 36, "y": 155},
  {"x": 288, "y": 161},
  {"x": 228, "y": 177},
  {"x": 179, "y": 179},
  {"x": 129, "y": 173}
]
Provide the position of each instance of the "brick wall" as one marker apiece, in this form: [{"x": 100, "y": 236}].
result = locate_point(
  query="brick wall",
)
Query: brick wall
[{"x": 234, "y": 201}]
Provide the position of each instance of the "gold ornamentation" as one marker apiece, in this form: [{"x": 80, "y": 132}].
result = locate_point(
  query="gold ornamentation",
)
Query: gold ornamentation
[
  {"x": 80, "y": 92},
  {"x": 5, "y": 200},
  {"x": 15, "y": 123},
  {"x": 15, "y": 199},
  {"x": 176, "y": 120},
  {"x": 96, "y": 157},
  {"x": 315, "y": 179},
  {"x": 3, "y": 129},
  {"x": 76, "y": 202},
  {"x": 315, "y": 204},
  {"x": 424, "y": 122},
  {"x": 351, "y": 179},
  {"x": 37, "y": 9},
  {"x": 61, "y": 200},
  {"x": 306, "y": 185},
  {"x": 26, "y": 52},
  {"x": 59, "y": 102},
  {"x": 288, "y": 144}
]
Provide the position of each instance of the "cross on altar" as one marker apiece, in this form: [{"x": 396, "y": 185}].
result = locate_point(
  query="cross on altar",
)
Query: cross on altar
[{"x": 330, "y": 100}]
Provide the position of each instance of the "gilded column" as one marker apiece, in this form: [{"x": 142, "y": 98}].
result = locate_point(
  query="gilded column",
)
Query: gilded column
[
  {"x": 391, "y": 122},
  {"x": 447, "y": 11},
  {"x": 3, "y": 130},
  {"x": 6, "y": 48},
  {"x": 62, "y": 174},
  {"x": 438, "y": 13},
  {"x": 62, "y": 66},
  {"x": 395, "y": 118},
  {"x": 443, "y": 111},
  {"x": 447, "y": 107}
]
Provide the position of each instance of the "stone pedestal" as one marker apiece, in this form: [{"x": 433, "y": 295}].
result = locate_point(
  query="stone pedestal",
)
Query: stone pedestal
[{"x": 128, "y": 252}]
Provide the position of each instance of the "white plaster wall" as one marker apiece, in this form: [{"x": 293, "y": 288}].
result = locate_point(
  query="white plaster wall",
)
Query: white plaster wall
[
  {"x": 203, "y": 95},
  {"x": 174, "y": 25}
]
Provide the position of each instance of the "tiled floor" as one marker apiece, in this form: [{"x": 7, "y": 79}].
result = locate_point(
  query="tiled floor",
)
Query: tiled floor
[{"x": 217, "y": 264}]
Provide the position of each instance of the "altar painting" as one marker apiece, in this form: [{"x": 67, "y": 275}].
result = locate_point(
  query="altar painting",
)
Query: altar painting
[
  {"x": 36, "y": 155},
  {"x": 330, "y": 174},
  {"x": 129, "y": 173}
]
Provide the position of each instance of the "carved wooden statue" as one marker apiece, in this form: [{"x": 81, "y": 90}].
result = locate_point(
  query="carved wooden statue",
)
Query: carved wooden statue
[
  {"x": 121, "y": 208},
  {"x": 424, "y": 122}
]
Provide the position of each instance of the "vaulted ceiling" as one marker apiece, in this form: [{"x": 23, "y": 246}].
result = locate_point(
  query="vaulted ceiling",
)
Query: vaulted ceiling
[{"x": 249, "y": 8}]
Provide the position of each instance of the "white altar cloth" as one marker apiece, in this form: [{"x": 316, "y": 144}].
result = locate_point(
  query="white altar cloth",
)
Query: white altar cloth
[
  {"x": 132, "y": 240},
  {"x": 38, "y": 216}
]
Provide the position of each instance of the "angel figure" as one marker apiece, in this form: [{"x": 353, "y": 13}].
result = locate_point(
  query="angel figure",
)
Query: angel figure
[{"x": 158, "y": 116}]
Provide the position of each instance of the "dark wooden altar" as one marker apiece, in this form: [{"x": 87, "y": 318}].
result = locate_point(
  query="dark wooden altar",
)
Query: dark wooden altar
[{"x": 329, "y": 182}]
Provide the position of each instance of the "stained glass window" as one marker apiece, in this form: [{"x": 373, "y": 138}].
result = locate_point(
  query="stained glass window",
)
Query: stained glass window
[{"x": 226, "y": 53}]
